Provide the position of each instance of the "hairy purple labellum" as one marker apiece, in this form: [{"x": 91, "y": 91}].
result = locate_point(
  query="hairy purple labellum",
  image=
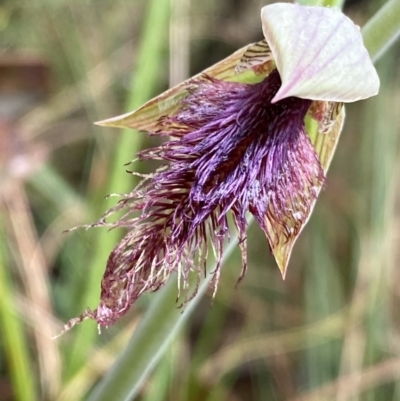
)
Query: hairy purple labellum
[{"x": 232, "y": 151}]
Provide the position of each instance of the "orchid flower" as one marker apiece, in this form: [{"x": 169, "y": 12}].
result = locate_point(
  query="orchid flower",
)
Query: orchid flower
[{"x": 254, "y": 133}]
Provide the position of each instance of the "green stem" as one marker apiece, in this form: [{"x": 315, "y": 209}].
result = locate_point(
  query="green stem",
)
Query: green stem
[
  {"x": 310, "y": 2},
  {"x": 333, "y": 3},
  {"x": 381, "y": 31},
  {"x": 13, "y": 338},
  {"x": 150, "y": 340}
]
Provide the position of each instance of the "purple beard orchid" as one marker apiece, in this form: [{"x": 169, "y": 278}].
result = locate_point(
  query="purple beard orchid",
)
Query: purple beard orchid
[{"x": 237, "y": 144}]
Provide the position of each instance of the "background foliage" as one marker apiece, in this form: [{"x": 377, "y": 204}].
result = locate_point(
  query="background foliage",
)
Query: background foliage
[{"x": 330, "y": 331}]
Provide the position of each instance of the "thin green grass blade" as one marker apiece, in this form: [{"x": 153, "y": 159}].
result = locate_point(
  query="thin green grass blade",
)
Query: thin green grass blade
[
  {"x": 164, "y": 375},
  {"x": 310, "y": 2},
  {"x": 325, "y": 3},
  {"x": 52, "y": 186},
  {"x": 333, "y": 3},
  {"x": 13, "y": 338},
  {"x": 209, "y": 334},
  {"x": 321, "y": 280},
  {"x": 382, "y": 30},
  {"x": 144, "y": 81}
]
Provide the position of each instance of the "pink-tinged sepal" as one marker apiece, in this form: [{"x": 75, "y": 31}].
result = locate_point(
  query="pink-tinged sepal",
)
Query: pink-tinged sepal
[{"x": 319, "y": 53}]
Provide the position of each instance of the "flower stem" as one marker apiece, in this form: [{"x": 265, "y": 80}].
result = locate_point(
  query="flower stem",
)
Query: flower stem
[
  {"x": 13, "y": 338},
  {"x": 381, "y": 31},
  {"x": 333, "y": 3},
  {"x": 150, "y": 340},
  {"x": 310, "y": 2}
]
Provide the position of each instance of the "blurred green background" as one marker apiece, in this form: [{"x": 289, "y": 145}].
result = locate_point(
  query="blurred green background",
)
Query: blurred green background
[{"x": 330, "y": 331}]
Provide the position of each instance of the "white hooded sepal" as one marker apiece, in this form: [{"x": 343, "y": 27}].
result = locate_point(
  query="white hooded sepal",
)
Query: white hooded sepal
[{"x": 319, "y": 53}]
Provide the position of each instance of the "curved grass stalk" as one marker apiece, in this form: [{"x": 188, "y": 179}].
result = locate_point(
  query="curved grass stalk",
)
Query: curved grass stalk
[
  {"x": 382, "y": 30},
  {"x": 310, "y": 2},
  {"x": 333, "y": 3},
  {"x": 150, "y": 340},
  {"x": 13, "y": 339}
]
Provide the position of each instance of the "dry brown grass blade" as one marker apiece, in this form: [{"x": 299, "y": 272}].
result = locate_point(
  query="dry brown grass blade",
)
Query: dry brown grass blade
[
  {"x": 251, "y": 349},
  {"x": 33, "y": 270},
  {"x": 99, "y": 79},
  {"x": 381, "y": 373},
  {"x": 29, "y": 311},
  {"x": 179, "y": 42}
]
